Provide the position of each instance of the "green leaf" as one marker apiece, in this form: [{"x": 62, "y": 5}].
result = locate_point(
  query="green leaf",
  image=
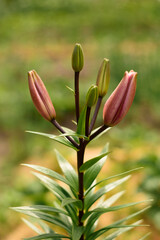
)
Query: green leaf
[
  {"x": 35, "y": 208},
  {"x": 61, "y": 140},
  {"x": 48, "y": 172},
  {"x": 91, "y": 174},
  {"x": 46, "y": 236},
  {"x": 32, "y": 226},
  {"x": 92, "y": 161},
  {"x": 76, "y": 202},
  {"x": 47, "y": 217},
  {"x": 116, "y": 208},
  {"x": 70, "y": 89},
  {"x": 90, "y": 200},
  {"x": 68, "y": 170},
  {"x": 145, "y": 236},
  {"x": 74, "y": 134},
  {"x": 115, "y": 225},
  {"x": 121, "y": 231},
  {"x": 77, "y": 232},
  {"x": 59, "y": 192},
  {"x": 106, "y": 203},
  {"x": 105, "y": 229},
  {"x": 82, "y": 122},
  {"x": 108, "y": 178}
]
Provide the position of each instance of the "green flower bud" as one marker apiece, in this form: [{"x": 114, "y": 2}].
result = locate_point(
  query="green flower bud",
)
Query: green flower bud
[
  {"x": 92, "y": 96},
  {"x": 103, "y": 77},
  {"x": 77, "y": 58}
]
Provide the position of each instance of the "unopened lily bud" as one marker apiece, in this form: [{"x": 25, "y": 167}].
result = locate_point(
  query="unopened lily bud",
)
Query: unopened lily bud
[
  {"x": 40, "y": 96},
  {"x": 118, "y": 104},
  {"x": 103, "y": 77},
  {"x": 77, "y": 58},
  {"x": 92, "y": 96}
]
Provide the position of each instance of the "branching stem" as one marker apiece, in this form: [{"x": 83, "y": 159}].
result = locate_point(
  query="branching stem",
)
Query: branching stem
[
  {"x": 95, "y": 114},
  {"x": 58, "y": 126}
]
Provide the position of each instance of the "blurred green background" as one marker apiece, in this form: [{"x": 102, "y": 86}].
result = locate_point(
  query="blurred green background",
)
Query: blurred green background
[{"x": 41, "y": 35}]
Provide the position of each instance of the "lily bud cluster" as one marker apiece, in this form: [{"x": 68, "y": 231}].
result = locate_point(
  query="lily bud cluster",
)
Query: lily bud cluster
[{"x": 115, "y": 108}]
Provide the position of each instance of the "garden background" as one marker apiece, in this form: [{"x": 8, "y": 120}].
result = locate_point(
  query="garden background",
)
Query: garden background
[{"x": 41, "y": 35}]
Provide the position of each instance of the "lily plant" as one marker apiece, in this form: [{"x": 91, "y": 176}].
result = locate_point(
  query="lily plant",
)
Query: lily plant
[{"x": 77, "y": 209}]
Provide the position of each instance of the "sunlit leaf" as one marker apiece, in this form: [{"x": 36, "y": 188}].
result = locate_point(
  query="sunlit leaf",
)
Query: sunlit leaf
[
  {"x": 90, "y": 200},
  {"x": 62, "y": 140},
  {"x": 91, "y": 174},
  {"x": 76, "y": 202},
  {"x": 77, "y": 232},
  {"x": 68, "y": 170},
  {"x": 47, "y": 235},
  {"x": 82, "y": 122},
  {"x": 92, "y": 161}
]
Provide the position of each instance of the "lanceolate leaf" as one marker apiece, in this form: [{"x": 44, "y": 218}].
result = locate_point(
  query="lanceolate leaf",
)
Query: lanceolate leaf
[
  {"x": 59, "y": 192},
  {"x": 81, "y": 122},
  {"x": 145, "y": 236},
  {"x": 62, "y": 140},
  {"x": 48, "y": 218},
  {"x": 35, "y": 208},
  {"x": 92, "y": 161},
  {"x": 49, "y": 173},
  {"x": 77, "y": 232},
  {"x": 68, "y": 171},
  {"x": 121, "y": 231},
  {"x": 32, "y": 226},
  {"x": 114, "y": 176},
  {"x": 102, "y": 210},
  {"x": 116, "y": 224},
  {"x": 47, "y": 235},
  {"x": 76, "y": 202},
  {"x": 90, "y": 200},
  {"x": 91, "y": 174}
]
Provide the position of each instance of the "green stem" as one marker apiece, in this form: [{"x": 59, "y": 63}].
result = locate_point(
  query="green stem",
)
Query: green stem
[
  {"x": 76, "y": 82},
  {"x": 95, "y": 114}
]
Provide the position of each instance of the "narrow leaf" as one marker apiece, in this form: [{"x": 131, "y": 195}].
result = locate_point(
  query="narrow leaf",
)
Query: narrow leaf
[
  {"x": 77, "y": 232},
  {"x": 46, "y": 236},
  {"x": 91, "y": 174},
  {"x": 92, "y": 161},
  {"x": 114, "y": 176},
  {"x": 68, "y": 170},
  {"x": 35, "y": 208},
  {"x": 59, "y": 192},
  {"x": 145, "y": 236},
  {"x": 121, "y": 231},
  {"x": 32, "y": 226},
  {"x": 61, "y": 140},
  {"x": 76, "y": 202},
  {"x": 70, "y": 89},
  {"x": 90, "y": 200},
  {"x": 82, "y": 122},
  {"x": 48, "y": 172},
  {"x": 115, "y": 225}
]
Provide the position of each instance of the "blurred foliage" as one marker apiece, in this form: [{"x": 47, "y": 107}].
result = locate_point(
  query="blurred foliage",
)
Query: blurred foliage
[
  {"x": 151, "y": 185},
  {"x": 40, "y": 35}
]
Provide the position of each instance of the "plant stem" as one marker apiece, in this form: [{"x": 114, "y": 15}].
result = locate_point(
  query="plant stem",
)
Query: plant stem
[
  {"x": 87, "y": 121},
  {"x": 80, "y": 158},
  {"x": 100, "y": 130},
  {"x": 95, "y": 114},
  {"x": 58, "y": 126},
  {"x": 76, "y": 82}
]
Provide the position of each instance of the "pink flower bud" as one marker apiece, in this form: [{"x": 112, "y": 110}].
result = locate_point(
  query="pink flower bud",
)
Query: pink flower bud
[
  {"x": 118, "y": 104},
  {"x": 40, "y": 96}
]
